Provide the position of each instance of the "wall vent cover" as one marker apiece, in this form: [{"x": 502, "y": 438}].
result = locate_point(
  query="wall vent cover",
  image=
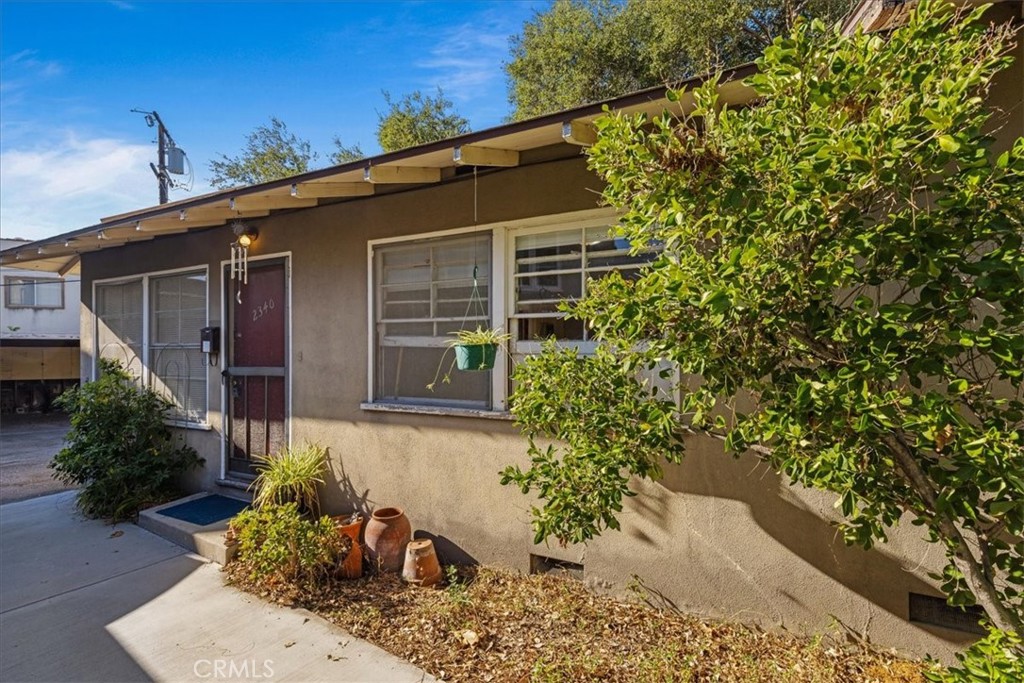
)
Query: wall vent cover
[{"x": 927, "y": 609}]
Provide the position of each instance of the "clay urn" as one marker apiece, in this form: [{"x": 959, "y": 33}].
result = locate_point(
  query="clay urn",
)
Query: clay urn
[
  {"x": 387, "y": 534},
  {"x": 350, "y": 525},
  {"x": 421, "y": 565}
]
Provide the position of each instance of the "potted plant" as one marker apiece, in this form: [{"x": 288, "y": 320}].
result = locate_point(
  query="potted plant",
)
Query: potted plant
[
  {"x": 291, "y": 476},
  {"x": 475, "y": 350}
]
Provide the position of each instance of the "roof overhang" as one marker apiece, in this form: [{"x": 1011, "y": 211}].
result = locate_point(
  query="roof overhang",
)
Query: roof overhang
[{"x": 433, "y": 163}]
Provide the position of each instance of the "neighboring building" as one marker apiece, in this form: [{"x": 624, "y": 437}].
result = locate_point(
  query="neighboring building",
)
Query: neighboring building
[
  {"x": 338, "y": 321},
  {"x": 39, "y": 328}
]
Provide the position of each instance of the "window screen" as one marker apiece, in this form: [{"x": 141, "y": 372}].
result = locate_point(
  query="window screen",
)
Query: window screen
[
  {"x": 177, "y": 311},
  {"x": 119, "y": 324},
  {"x": 424, "y": 292}
]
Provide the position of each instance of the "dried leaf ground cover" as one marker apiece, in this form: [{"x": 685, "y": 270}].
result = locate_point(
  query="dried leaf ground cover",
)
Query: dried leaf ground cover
[{"x": 497, "y": 625}]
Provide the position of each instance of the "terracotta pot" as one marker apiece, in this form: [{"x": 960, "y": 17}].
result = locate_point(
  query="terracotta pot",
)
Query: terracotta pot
[
  {"x": 421, "y": 565},
  {"x": 387, "y": 534},
  {"x": 350, "y": 525}
]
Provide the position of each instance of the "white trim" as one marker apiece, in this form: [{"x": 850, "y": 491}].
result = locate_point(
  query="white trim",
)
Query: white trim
[
  {"x": 371, "y": 319},
  {"x": 445, "y": 411},
  {"x": 542, "y": 223},
  {"x": 499, "y": 319}
]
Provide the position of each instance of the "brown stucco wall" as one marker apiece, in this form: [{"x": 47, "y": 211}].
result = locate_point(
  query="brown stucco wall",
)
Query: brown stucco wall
[{"x": 718, "y": 536}]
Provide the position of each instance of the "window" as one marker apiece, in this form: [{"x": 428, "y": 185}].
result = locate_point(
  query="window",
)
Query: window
[
  {"x": 177, "y": 307},
  {"x": 119, "y": 324},
  {"x": 151, "y": 325},
  {"x": 553, "y": 266},
  {"x": 29, "y": 292},
  {"x": 550, "y": 267},
  {"x": 424, "y": 291}
]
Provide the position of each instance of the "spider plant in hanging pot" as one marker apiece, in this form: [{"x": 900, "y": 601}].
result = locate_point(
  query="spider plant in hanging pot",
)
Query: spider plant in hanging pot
[{"x": 475, "y": 350}]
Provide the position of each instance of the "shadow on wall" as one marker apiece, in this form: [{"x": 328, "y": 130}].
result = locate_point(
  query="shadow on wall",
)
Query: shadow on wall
[
  {"x": 336, "y": 479},
  {"x": 341, "y": 486},
  {"x": 448, "y": 552},
  {"x": 877, "y": 576}
]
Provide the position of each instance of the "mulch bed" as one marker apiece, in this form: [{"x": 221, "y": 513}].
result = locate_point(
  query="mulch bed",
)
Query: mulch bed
[{"x": 491, "y": 624}]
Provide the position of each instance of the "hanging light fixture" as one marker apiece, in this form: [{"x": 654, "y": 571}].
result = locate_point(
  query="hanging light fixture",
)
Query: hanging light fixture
[{"x": 245, "y": 235}]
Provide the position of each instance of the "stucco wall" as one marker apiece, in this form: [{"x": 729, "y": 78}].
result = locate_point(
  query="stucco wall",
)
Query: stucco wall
[{"x": 717, "y": 536}]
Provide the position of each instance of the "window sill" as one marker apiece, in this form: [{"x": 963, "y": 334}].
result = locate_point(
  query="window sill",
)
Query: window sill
[
  {"x": 436, "y": 410},
  {"x": 181, "y": 424}
]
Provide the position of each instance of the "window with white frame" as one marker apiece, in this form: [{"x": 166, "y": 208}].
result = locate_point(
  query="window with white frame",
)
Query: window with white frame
[
  {"x": 552, "y": 266},
  {"x": 119, "y": 324},
  {"x": 177, "y": 311},
  {"x": 423, "y": 292},
  {"x": 151, "y": 325},
  {"x": 32, "y": 292}
]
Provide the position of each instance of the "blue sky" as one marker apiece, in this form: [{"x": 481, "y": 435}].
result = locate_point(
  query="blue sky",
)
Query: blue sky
[{"x": 71, "y": 151}]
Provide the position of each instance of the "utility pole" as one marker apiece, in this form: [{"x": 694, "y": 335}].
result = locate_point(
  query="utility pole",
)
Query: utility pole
[{"x": 165, "y": 144}]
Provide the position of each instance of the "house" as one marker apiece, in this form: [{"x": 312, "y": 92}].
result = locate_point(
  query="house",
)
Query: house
[
  {"x": 39, "y": 354},
  {"x": 326, "y": 299}
]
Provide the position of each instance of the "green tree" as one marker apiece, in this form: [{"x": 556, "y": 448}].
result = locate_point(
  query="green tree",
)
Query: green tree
[
  {"x": 417, "y": 119},
  {"x": 343, "y": 153},
  {"x": 843, "y": 269},
  {"x": 581, "y": 51},
  {"x": 270, "y": 152}
]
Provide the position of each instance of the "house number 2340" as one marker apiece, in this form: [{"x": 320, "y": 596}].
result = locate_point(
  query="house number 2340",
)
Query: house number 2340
[{"x": 261, "y": 311}]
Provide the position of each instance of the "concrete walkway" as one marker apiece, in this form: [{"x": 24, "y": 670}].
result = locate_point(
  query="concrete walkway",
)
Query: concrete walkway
[{"x": 83, "y": 601}]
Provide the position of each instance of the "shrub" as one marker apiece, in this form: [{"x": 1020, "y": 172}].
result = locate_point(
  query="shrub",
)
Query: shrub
[
  {"x": 291, "y": 476},
  {"x": 118, "y": 449},
  {"x": 996, "y": 658},
  {"x": 277, "y": 544}
]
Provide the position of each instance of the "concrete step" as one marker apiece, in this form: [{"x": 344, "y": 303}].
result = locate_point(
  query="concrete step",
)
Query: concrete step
[
  {"x": 235, "y": 488},
  {"x": 207, "y": 541}
]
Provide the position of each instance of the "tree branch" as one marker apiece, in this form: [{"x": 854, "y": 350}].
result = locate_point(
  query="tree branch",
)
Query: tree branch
[{"x": 974, "y": 573}]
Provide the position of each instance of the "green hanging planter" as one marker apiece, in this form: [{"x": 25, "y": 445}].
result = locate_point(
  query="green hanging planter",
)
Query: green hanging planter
[{"x": 474, "y": 357}]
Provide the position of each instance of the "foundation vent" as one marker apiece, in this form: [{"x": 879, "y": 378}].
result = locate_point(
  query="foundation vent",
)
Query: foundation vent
[
  {"x": 548, "y": 565},
  {"x": 927, "y": 609}
]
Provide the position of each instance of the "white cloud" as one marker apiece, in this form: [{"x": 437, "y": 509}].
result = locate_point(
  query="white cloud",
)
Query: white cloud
[
  {"x": 26, "y": 63},
  {"x": 71, "y": 183},
  {"x": 470, "y": 57}
]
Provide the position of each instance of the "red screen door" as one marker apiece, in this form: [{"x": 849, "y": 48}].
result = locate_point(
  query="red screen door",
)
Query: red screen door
[{"x": 257, "y": 368}]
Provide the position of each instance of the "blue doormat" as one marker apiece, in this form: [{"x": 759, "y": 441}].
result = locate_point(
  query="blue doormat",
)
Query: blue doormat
[{"x": 206, "y": 510}]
